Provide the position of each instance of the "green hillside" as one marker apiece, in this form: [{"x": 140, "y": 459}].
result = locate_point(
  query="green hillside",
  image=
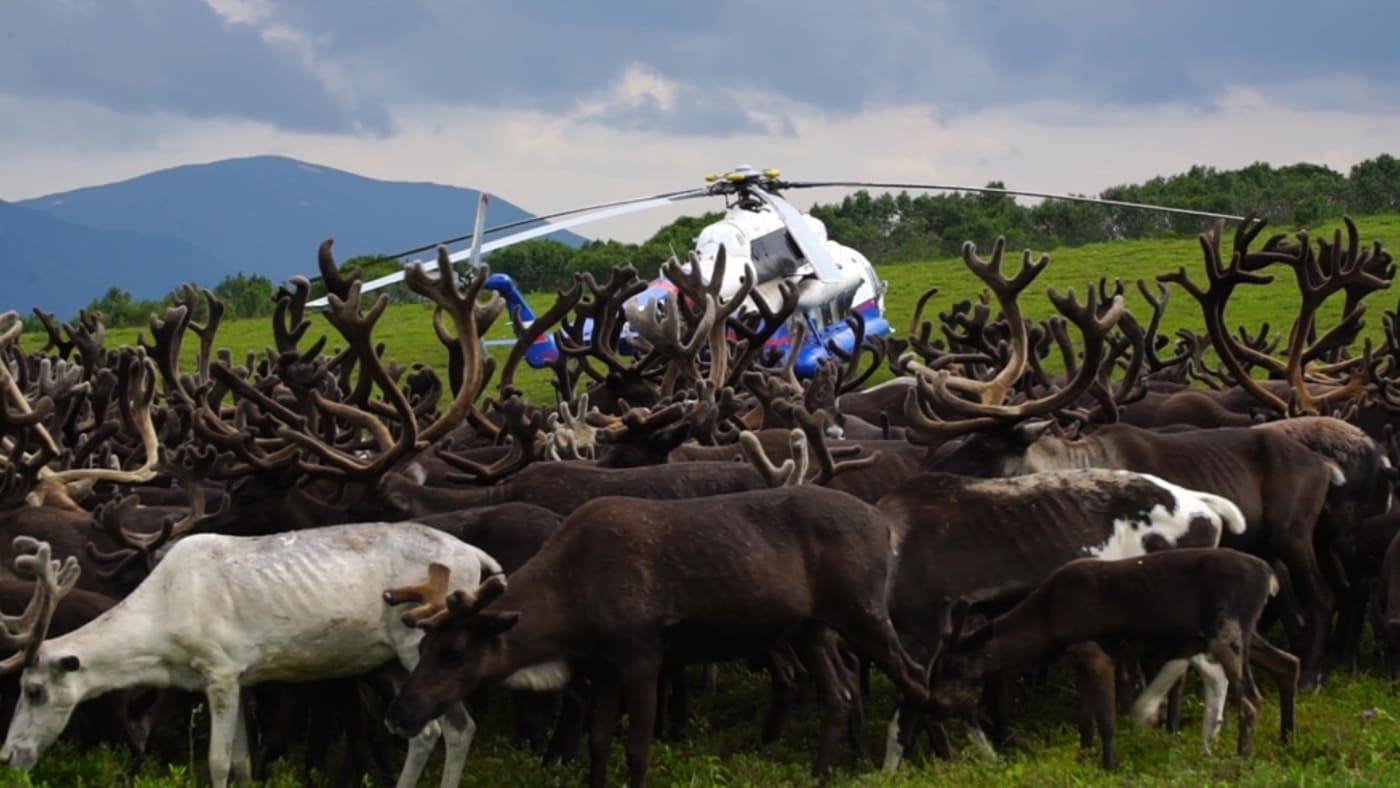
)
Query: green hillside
[{"x": 407, "y": 329}]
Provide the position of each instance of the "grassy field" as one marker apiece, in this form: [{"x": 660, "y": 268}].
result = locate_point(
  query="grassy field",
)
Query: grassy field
[
  {"x": 1349, "y": 734},
  {"x": 408, "y": 334}
]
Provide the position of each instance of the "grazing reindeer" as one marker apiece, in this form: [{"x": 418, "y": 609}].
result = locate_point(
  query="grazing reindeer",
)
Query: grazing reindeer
[
  {"x": 992, "y": 541},
  {"x": 1180, "y": 600},
  {"x": 220, "y": 613},
  {"x": 1281, "y": 486},
  {"x": 624, "y": 582},
  {"x": 103, "y": 719}
]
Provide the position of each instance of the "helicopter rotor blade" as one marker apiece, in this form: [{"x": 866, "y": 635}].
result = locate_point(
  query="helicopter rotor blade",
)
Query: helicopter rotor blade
[
  {"x": 1013, "y": 192},
  {"x": 812, "y": 247},
  {"x": 474, "y": 254},
  {"x": 544, "y": 217},
  {"x": 580, "y": 216}
]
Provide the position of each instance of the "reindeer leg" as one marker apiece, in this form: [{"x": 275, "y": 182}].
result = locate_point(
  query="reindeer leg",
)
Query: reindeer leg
[
  {"x": 1148, "y": 706},
  {"x": 240, "y": 764},
  {"x": 602, "y": 722},
  {"x": 897, "y": 740},
  {"x": 458, "y": 728},
  {"x": 848, "y": 667},
  {"x": 1316, "y": 599},
  {"x": 1228, "y": 648},
  {"x": 817, "y": 645},
  {"x": 534, "y": 713},
  {"x": 1174, "y": 698},
  {"x": 638, "y": 687},
  {"x": 1285, "y": 669},
  {"x": 871, "y": 634},
  {"x": 224, "y": 718},
  {"x": 782, "y": 673},
  {"x": 568, "y": 727},
  {"x": 999, "y": 695},
  {"x": 1217, "y": 687},
  {"x": 1086, "y": 715},
  {"x": 1096, "y": 674},
  {"x": 677, "y": 704}
]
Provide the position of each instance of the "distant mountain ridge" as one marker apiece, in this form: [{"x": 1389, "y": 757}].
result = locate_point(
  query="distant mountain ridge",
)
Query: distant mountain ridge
[
  {"x": 201, "y": 222},
  {"x": 61, "y": 267}
]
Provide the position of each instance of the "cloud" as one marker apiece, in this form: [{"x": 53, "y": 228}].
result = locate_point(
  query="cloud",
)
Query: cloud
[
  {"x": 840, "y": 57},
  {"x": 350, "y": 68},
  {"x": 643, "y": 100},
  {"x": 556, "y": 104},
  {"x": 552, "y": 161},
  {"x": 153, "y": 56}
]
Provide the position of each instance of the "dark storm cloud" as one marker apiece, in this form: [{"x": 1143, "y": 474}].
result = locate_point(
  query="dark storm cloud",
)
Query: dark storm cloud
[
  {"x": 142, "y": 56},
  {"x": 565, "y": 56},
  {"x": 1148, "y": 52}
]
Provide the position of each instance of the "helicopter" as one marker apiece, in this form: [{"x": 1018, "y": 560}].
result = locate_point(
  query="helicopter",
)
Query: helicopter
[{"x": 761, "y": 237}]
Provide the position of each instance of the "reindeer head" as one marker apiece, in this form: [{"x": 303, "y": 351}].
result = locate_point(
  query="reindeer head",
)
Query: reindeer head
[
  {"x": 460, "y": 646},
  {"x": 957, "y": 665},
  {"x": 49, "y": 689}
]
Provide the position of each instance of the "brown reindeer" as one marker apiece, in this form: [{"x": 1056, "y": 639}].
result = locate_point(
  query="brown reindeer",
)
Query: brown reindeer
[
  {"x": 1279, "y": 484},
  {"x": 624, "y": 582},
  {"x": 1187, "y": 601}
]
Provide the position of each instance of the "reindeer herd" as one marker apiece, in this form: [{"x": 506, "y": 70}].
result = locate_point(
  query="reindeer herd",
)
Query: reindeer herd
[{"x": 315, "y": 540}]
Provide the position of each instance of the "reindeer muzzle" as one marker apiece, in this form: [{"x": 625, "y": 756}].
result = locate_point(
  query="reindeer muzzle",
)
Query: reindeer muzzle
[
  {"x": 21, "y": 758},
  {"x": 395, "y": 720}
]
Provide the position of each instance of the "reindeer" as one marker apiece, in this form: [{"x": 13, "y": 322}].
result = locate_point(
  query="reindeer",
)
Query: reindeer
[
  {"x": 1279, "y": 484},
  {"x": 112, "y": 717},
  {"x": 220, "y": 613},
  {"x": 1183, "y": 600},
  {"x": 624, "y": 582},
  {"x": 993, "y": 541}
]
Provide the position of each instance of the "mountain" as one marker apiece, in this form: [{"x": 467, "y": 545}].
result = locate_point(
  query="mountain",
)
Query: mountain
[
  {"x": 62, "y": 267},
  {"x": 264, "y": 215}
]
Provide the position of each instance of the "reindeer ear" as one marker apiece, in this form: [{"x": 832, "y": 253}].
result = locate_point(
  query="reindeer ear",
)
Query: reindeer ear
[
  {"x": 977, "y": 635},
  {"x": 1031, "y": 431},
  {"x": 959, "y": 614},
  {"x": 488, "y": 625},
  {"x": 669, "y": 438},
  {"x": 492, "y": 587}
]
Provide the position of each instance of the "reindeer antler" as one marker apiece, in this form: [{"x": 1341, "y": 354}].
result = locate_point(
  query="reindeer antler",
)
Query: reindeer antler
[
  {"x": 793, "y": 471},
  {"x": 431, "y": 596},
  {"x": 52, "y": 581}
]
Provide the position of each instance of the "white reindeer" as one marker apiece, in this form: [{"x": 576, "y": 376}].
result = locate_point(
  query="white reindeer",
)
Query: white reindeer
[{"x": 220, "y": 613}]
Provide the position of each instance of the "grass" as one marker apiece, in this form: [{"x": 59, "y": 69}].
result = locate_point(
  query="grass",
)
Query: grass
[
  {"x": 1347, "y": 735},
  {"x": 407, "y": 332}
]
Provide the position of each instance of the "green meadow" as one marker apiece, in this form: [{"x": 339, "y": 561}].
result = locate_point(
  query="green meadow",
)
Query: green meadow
[
  {"x": 407, "y": 331},
  {"x": 1348, "y": 734}
]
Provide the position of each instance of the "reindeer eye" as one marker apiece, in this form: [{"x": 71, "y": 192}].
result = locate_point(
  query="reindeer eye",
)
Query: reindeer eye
[{"x": 35, "y": 693}]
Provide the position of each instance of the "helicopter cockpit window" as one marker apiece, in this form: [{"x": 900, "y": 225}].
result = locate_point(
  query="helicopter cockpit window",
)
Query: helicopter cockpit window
[{"x": 775, "y": 255}]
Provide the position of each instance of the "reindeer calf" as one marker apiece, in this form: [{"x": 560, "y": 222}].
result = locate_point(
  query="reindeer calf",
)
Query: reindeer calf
[{"x": 1186, "y": 600}]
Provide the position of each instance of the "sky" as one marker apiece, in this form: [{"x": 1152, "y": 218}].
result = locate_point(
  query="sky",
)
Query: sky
[{"x": 557, "y": 104}]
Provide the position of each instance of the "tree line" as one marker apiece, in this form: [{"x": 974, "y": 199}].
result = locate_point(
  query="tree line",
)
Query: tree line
[{"x": 902, "y": 228}]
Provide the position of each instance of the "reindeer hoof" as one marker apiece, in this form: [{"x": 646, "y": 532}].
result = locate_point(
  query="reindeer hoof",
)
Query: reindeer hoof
[{"x": 1150, "y": 716}]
